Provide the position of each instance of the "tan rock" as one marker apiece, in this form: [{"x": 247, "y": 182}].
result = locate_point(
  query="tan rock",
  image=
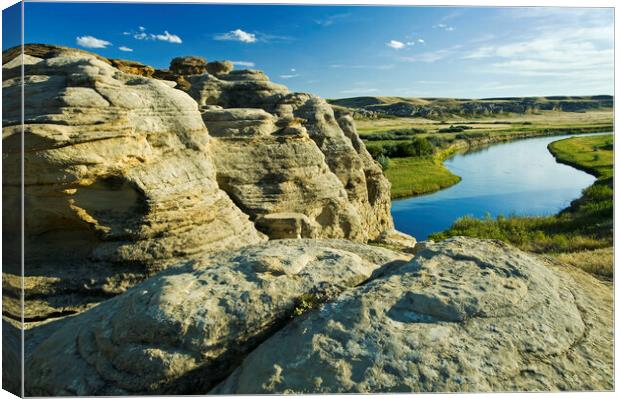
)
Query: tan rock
[
  {"x": 185, "y": 329},
  {"x": 190, "y": 65},
  {"x": 287, "y": 225},
  {"x": 219, "y": 67},
  {"x": 119, "y": 181},
  {"x": 133, "y": 67},
  {"x": 465, "y": 315},
  {"x": 367, "y": 190}
]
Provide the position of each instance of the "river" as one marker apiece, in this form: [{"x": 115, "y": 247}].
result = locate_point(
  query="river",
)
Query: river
[{"x": 514, "y": 178}]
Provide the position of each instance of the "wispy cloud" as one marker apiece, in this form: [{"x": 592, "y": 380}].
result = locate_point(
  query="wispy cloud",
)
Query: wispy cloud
[
  {"x": 555, "y": 52},
  {"x": 247, "y": 64},
  {"x": 330, "y": 20},
  {"x": 360, "y": 90},
  {"x": 237, "y": 35},
  {"x": 444, "y": 27},
  {"x": 124, "y": 48},
  {"x": 91, "y": 42},
  {"x": 431, "y": 82},
  {"x": 289, "y": 76},
  {"x": 399, "y": 45},
  {"x": 363, "y": 66},
  {"x": 432, "y": 56},
  {"x": 142, "y": 34}
]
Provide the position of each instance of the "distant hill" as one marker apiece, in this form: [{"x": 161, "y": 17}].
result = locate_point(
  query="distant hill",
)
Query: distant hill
[{"x": 376, "y": 106}]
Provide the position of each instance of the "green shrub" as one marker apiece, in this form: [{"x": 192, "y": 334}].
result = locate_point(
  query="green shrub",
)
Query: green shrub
[{"x": 383, "y": 161}]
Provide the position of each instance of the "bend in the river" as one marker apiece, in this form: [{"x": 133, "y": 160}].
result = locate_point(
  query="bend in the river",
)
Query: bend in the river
[{"x": 514, "y": 178}]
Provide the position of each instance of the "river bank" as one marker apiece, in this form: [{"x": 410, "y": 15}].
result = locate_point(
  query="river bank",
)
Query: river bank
[
  {"x": 418, "y": 175},
  {"x": 414, "y": 176},
  {"x": 580, "y": 235}
]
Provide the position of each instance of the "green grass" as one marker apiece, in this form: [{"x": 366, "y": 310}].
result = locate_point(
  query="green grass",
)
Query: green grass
[
  {"x": 592, "y": 154},
  {"x": 583, "y": 229},
  {"x": 418, "y": 175}
]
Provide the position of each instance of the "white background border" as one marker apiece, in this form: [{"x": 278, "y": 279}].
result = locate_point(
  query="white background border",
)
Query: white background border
[{"x": 483, "y": 3}]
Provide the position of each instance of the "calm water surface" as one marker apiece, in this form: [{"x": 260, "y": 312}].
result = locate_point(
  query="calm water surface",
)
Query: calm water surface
[{"x": 519, "y": 177}]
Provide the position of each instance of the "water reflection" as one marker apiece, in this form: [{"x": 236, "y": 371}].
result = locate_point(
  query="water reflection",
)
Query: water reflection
[{"x": 519, "y": 177}]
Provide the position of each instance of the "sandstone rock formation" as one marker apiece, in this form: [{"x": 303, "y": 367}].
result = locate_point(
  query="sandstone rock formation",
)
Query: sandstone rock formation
[
  {"x": 464, "y": 315},
  {"x": 188, "y": 65},
  {"x": 118, "y": 177},
  {"x": 187, "y": 328},
  {"x": 277, "y": 151}
]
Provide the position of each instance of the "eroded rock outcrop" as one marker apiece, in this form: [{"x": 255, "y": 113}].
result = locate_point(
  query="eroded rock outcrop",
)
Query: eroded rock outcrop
[
  {"x": 464, "y": 315},
  {"x": 308, "y": 135},
  {"x": 185, "y": 329},
  {"x": 118, "y": 177}
]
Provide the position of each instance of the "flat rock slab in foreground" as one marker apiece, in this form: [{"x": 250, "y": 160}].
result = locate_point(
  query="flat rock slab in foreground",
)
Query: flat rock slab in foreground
[
  {"x": 187, "y": 328},
  {"x": 464, "y": 315}
]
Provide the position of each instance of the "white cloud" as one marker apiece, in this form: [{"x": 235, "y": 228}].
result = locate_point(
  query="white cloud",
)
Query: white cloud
[
  {"x": 237, "y": 35},
  {"x": 288, "y": 76},
  {"x": 247, "y": 64},
  {"x": 91, "y": 42},
  {"x": 163, "y": 37},
  {"x": 421, "y": 41},
  {"x": 293, "y": 69},
  {"x": 395, "y": 44},
  {"x": 168, "y": 37},
  {"x": 445, "y": 27},
  {"x": 123, "y": 48}
]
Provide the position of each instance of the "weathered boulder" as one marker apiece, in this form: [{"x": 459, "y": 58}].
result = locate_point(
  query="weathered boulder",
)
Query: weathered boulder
[
  {"x": 189, "y": 65},
  {"x": 119, "y": 182},
  {"x": 185, "y": 329},
  {"x": 464, "y": 315},
  {"x": 133, "y": 67},
  {"x": 219, "y": 67}
]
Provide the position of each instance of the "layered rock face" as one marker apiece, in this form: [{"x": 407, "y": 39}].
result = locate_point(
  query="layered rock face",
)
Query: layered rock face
[
  {"x": 277, "y": 151},
  {"x": 186, "y": 329},
  {"x": 119, "y": 182},
  {"x": 464, "y": 315}
]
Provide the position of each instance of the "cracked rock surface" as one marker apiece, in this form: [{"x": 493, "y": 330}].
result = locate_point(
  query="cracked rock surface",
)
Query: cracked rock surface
[
  {"x": 185, "y": 329},
  {"x": 464, "y": 315}
]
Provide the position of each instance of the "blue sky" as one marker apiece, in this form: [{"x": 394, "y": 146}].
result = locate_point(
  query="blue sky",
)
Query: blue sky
[{"x": 345, "y": 51}]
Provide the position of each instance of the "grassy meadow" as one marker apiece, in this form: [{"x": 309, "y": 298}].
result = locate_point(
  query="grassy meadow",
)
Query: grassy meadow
[
  {"x": 416, "y": 175},
  {"x": 581, "y": 235}
]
